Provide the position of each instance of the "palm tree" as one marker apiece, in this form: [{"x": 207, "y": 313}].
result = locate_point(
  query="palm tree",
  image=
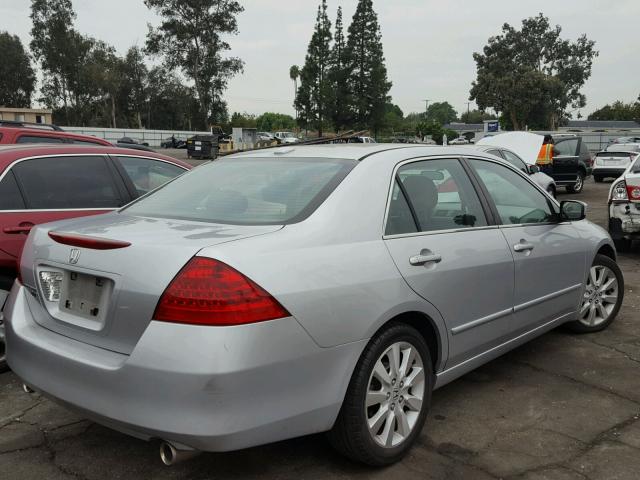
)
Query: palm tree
[{"x": 294, "y": 73}]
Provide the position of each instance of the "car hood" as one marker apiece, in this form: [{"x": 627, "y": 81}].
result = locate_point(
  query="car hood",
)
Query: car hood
[{"x": 524, "y": 144}]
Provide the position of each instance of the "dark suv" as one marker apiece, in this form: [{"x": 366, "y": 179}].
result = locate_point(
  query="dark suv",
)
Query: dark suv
[
  {"x": 572, "y": 162},
  {"x": 24, "y": 132}
]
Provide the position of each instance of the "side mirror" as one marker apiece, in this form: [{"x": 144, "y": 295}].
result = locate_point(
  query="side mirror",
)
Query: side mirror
[
  {"x": 533, "y": 169},
  {"x": 573, "y": 211}
]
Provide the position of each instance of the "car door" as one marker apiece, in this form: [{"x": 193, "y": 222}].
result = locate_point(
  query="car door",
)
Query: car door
[
  {"x": 550, "y": 256},
  {"x": 565, "y": 160},
  {"x": 142, "y": 175},
  {"x": 440, "y": 235},
  {"x": 54, "y": 188}
]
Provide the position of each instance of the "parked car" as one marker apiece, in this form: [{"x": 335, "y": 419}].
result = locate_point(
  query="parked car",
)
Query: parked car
[
  {"x": 25, "y": 132},
  {"x": 44, "y": 183},
  {"x": 265, "y": 136},
  {"x": 361, "y": 140},
  {"x": 543, "y": 180},
  {"x": 572, "y": 162},
  {"x": 173, "y": 142},
  {"x": 286, "y": 137},
  {"x": 258, "y": 298},
  {"x": 625, "y": 140},
  {"x": 459, "y": 141},
  {"x": 128, "y": 142},
  {"x": 624, "y": 207},
  {"x": 613, "y": 162}
]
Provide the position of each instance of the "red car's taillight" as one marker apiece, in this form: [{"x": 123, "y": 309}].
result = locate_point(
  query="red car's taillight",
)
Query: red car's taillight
[
  {"x": 633, "y": 192},
  {"x": 209, "y": 292}
]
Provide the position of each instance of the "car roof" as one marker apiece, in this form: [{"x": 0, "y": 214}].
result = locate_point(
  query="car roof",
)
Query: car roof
[
  {"x": 351, "y": 151},
  {"x": 12, "y": 152},
  {"x": 35, "y": 130}
]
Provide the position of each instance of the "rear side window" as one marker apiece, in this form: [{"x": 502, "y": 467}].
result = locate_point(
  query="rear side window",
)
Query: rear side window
[
  {"x": 514, "y": 160},
  {"x": 10, "y": 196},
  {"x": 584, "y": 151},
  {"x": 67, "y": 182},
  {"x": 566, "y": 148},
  {"x": 146, "y": 174},
  {"x": 38, "y": 139},
  {"x": 247, "y": 191},
  {"x": 439, "y": 196}
]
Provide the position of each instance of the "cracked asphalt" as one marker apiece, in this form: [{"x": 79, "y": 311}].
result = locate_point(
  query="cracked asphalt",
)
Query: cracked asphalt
[{"x": 561, "y": 407}]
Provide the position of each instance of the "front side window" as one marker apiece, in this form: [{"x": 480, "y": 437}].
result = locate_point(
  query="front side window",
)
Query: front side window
[
  {"x": 439, "y": 196},
  {"x": 146, "y": 174},
  {"x": 247, "y": 191},
  {"x": 517, "y": 201},
  {"x": 67, "y": 182},
  {"x": 566, "y": 148},
  {"x": 515, "y": 160},
  {"x": 10, "y": 196}
]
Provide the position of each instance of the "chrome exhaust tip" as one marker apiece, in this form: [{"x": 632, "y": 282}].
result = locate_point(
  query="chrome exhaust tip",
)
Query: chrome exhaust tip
[
  {"x": 170, "y": 455},
  {"x": 27, "y": 389}
]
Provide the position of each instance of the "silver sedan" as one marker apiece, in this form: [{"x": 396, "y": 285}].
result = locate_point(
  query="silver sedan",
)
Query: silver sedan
[{"x": 285, "y": 292}]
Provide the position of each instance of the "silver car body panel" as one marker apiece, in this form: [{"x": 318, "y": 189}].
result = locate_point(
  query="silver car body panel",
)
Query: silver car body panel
[{"x": 337, "y": 274}]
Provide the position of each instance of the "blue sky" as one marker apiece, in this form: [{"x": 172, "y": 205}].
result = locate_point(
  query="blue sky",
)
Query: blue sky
[{"x": 428, "y": 44}]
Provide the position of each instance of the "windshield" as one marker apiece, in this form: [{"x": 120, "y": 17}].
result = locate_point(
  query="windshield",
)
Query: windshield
[{"x": 247, "y": 191}]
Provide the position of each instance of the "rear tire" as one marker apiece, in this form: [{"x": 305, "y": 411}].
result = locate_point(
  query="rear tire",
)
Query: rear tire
[
  {"x": 579, "y": 185},
  {"x": 384, "y": 412},
  {"x": 602, "y": 298}
]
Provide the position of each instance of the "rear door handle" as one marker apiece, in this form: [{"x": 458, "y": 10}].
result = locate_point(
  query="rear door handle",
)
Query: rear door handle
[
  {"x": 523, "y": 247},
  {"x": 19, "y": 229},
  {"x": 425, "y": 258}
]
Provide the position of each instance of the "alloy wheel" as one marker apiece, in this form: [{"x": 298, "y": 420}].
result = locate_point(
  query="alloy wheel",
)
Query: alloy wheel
[
  {"x": 579, "y": 183},
  {"x": 395, "y": 394},
  {"x": 600, "y": 296}
]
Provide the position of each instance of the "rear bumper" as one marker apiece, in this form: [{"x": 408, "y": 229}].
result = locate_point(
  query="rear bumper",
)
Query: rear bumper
[
  {"x": 608, "y": 172},
  {"x": 207, "y": 388},
  {"x": 624, "y": 220}
]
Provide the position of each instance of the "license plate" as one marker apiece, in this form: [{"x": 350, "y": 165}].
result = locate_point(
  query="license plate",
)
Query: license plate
[
  {"x": 613, "y": 162},
  {"x": 84, "y": 295}
]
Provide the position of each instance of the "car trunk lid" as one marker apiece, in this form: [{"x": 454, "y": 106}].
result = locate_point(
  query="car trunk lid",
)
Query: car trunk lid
[
  {"x": 614, "y": 159},
  {"x": 107, "y": 297}
]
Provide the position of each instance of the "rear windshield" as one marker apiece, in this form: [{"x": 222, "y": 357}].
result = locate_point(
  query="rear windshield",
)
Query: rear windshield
[
  {"x": 614, "y": 154},
  {"x": 247, "y": 191}
]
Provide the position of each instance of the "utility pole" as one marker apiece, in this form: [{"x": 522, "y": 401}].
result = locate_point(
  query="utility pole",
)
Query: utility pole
[{"x": 426, "y": 107}]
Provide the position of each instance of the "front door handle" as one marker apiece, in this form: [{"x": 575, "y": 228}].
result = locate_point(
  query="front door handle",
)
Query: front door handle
[
  {"x": 425, "y": 257},
  {"x": 523, "y": 247}
]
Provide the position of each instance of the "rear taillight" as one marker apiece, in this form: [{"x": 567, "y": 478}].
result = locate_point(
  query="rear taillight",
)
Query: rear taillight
[
  {"x": 633, "y": 191},
  {"x": 209, "y": 292},
  {"x": 619, "y": 192}
]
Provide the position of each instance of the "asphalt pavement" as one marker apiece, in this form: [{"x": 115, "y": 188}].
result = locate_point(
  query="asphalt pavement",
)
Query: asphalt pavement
[{"x": 561, "y": 407}]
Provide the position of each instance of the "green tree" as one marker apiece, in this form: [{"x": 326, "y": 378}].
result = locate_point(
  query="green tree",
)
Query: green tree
[
  {"x": 339, "y": 78},
  {"x": 313, "y": 99},
  {"x": 476, "y": 116},
  {"x": 271, "y": 122},
  {"x": 393, "y": 118},
  {"x": 531, "y": 75},
  {"x": 441, "y": 112},
  {"x": 294, "y": 74},
  {"x": 17, "y": 79},
  {"x": 242, "y": 120},
  {"x": 135, "y": 84},
  {"x": 170, "y": 104},
  {"x": 617, "y": 111},
  {"x": 368, "y": 74},
  {"x": 190, "y": 39}
]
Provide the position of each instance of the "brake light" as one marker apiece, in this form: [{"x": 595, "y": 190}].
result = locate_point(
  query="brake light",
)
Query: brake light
[
  {"x": 633, "y": 191},
  {"x": 619, "y": 192},
  {"x": 87, "y": 241},
  {"x": 209, "y": 292}
]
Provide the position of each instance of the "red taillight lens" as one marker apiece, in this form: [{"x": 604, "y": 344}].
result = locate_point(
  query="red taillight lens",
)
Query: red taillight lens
[
  {"x": 87, "y": 241},
  {"x": 209, "y": 292},
  {"x": 633, "y": 191}
]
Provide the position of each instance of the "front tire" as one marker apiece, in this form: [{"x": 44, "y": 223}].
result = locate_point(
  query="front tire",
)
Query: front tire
[
  {"x": 388, "y": 398},
  {"x": 602, "y": 298}
]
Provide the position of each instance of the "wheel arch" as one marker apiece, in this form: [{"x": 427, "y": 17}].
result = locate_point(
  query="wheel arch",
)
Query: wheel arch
[{"x": 608, "y": 251}]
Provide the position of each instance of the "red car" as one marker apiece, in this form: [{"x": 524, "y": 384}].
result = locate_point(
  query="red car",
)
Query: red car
[
  {"x": 24, "y": 132},
  {"x": 44, "y": 183}
]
